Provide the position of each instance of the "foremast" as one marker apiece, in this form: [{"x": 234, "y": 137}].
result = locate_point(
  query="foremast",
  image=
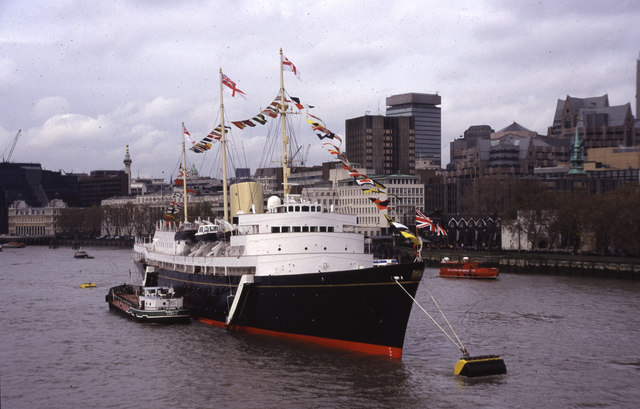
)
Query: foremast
[{"x": 285, "y": 138}]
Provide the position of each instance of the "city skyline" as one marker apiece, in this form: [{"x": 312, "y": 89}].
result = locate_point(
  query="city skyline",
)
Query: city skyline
[{"x": 82, "y": 81}]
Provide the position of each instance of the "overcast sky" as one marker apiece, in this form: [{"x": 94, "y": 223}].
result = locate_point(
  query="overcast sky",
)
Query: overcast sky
[{"x": 83, "y": 79}]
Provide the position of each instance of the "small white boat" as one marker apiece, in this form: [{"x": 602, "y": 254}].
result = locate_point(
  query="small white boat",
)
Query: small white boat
[{"x": 148, "y": 304}]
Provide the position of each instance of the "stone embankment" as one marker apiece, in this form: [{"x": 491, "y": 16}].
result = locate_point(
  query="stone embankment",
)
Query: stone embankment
[
  {"x": 55, "y": 242},
  {"x": 545, "y": 263}
]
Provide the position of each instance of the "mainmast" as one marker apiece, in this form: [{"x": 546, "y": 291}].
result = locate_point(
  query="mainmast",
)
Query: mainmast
[
  {"x": 184, "y": 175},
  {"x": 285, "y": 139},
  {"x": 223, "y": 141}
]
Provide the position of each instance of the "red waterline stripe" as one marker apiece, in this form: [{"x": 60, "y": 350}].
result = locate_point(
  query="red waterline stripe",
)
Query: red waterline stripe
[{"x": 391, "y": 352}]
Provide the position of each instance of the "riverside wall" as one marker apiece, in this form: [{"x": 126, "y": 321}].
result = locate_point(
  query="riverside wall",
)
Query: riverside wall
[
  {"x": 55, "y": 242},
  {"x": 545, "y": 263}
]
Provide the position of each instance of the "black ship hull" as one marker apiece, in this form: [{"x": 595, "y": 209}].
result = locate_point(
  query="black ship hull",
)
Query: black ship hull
[{"x": 362, "y": 310}]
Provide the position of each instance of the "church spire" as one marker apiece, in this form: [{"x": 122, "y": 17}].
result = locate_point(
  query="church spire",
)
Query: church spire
[{"x": 577, "y": 161}]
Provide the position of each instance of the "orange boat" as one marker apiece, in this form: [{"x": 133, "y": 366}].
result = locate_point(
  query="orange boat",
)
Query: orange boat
[
  {"x": 14, "y": 245},
  {"x": 466, "y": 268}
]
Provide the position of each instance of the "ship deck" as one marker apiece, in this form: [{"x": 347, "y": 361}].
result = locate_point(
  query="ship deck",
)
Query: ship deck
[{"x": 129, "y": 298}]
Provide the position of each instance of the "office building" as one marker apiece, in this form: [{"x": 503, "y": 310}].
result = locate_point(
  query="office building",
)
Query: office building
[
  {"x": 425, "y": 110},
  {"x": 381, "y": 143}
]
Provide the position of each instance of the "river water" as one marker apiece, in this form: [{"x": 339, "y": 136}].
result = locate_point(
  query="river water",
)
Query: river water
[{"x": 566, "y": 342}]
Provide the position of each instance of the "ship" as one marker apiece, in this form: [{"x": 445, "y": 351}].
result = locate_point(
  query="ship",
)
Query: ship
[
  {"x": 296, "y": 270},
  {"x": 466, "y": 268}
]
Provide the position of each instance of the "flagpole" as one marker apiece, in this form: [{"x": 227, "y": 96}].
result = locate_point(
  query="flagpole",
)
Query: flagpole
[
  {"x": 285, "y": 140},
  {"x": 223, "y": 141},
  {"x": 184, "y": 175}
]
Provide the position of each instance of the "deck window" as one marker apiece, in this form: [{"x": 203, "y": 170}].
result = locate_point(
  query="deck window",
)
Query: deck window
[{"x": 275, "y": 229}]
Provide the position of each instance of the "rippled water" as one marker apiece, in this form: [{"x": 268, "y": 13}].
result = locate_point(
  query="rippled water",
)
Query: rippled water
[{"x": 567, "y": 342}]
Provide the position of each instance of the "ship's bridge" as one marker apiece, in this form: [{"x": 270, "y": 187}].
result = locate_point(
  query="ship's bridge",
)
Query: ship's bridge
[{"x": 295, "y": 217}]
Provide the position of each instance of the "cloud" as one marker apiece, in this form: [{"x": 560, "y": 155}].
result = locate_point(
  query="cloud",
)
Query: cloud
[
  {"x": 94, "y": 78},
  {"x": 50, "y": 106}
]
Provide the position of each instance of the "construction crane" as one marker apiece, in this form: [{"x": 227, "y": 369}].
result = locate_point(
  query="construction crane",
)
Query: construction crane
[
  {"x": 306, "y": 155},
  {"x": 13, "y": 145}
]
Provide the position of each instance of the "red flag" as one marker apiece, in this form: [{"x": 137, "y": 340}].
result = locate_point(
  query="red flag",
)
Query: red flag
[
  {"x": 232, "y": 86},
  {"x": 270, "y": 112},
  {"x": 288, "y": 65}
]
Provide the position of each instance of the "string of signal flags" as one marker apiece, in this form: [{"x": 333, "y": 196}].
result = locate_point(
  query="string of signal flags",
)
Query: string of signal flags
[{"x": 331, "y": 141}]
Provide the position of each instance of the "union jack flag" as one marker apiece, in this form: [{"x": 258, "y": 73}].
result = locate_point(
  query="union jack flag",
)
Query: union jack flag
[{"x": 423, "y": 221}]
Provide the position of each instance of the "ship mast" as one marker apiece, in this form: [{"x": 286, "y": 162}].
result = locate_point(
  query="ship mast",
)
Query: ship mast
[
  {"x": 184, "y": 175},
  {"x": 285, "y": 139},
  {"x": 223, "y": 141}
]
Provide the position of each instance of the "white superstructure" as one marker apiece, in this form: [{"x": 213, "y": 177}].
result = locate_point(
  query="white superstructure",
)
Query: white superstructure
[{"x": 291, "y": 238}]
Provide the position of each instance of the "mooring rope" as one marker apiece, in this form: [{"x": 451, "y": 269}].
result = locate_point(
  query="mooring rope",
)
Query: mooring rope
[
  {"x": 458, "y": 344},
  {"x": 463, "y": 349}
]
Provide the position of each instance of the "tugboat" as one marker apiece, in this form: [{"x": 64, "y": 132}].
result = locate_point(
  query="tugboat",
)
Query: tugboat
[
  {"x": 466, "y": 268},
  {"x": 147, "y": 304}
]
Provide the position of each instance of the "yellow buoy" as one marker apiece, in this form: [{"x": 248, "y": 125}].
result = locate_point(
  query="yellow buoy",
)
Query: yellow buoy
[{"x": 480, "y": 366}]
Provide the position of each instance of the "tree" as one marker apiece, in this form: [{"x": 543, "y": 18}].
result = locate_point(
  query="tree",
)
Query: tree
[
  {"x": 533, "y": 213},
  {"x": 569, "y": 222},
  {"x": 202, "y": 210}
]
